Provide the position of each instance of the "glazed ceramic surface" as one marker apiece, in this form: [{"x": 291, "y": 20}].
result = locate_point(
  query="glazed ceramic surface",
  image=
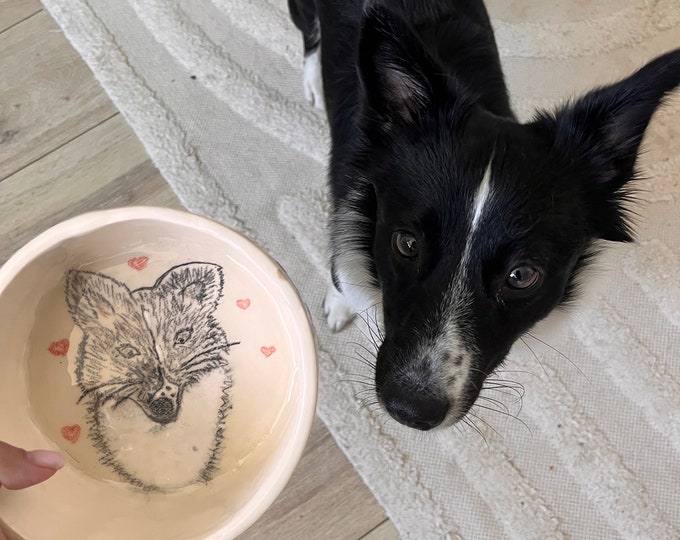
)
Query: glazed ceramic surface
[{"x": 169, "y": 359}]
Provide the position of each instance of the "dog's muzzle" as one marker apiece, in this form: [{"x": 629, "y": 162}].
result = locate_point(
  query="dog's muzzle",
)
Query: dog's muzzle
[{"x": 412, "y": 409}]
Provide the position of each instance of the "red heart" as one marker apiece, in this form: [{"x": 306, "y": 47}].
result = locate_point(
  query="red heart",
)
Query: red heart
[
  {"x": 71, "y": 433},
  {"x": 243, "y": 303},
  {"x": 59, "y": 348},
  {"x": 268, "y": 351},
  {"x": 138, "y": 263}
]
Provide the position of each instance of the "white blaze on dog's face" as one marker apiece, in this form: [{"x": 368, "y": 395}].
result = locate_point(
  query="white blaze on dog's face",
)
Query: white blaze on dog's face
[
  {"x": 472, "y": 225},
  {"x": 455, "y": 374}
]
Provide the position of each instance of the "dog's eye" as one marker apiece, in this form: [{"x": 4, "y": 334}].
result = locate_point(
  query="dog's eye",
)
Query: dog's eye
[
  {"x": 523, "y": 277},
  {"x": 183, "y": 336},
  {"x": 405, "y": 244},
  {"x": 127, "y": 351}
]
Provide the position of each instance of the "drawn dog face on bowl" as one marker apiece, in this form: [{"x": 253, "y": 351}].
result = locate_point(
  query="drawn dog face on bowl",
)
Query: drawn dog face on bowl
[
  {"x": 153, "y": 368},
  {"x": 169, "y": 359}
]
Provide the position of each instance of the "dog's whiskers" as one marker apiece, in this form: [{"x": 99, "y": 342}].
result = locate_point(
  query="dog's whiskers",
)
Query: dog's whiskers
[
  {"x": 529, "y": 334},
  {"x": 360, "y": 358},
  {"x": 363, "y": 381},
  {"x": 505, "y": 413},
  {"x": 535, "y": 356},
  {"x": 366, "y": 362},
  {"x": 496, "y": 401},
  {"x": 526, "y": 372},
  {"x": 487, "y": 424},
  {"x": 370, "y": 405},
  {"x": 506, "y": 390},
  {"x": 368, "y": 352},
  {"x": 372, "y": 331},
  {"x": 469, "y": 422},
  {"x": 517, "y": 392},
  {"x": 357, "y": 285},
  {"x": 459, "y": 427},
  {"x": 497, "y": 381},
  {"x": 367, "y": 332}
]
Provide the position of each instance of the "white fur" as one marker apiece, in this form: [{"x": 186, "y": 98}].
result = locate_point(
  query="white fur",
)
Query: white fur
[
  {"x": 339, "y": 312},
  {"x": 481, "y": 201},
  {"x": 312, "y": 81},
  {"x": 358, "y": 297},
  {"x": 482, "y": 197},
  {"x": 352, "y": 265},
  {"x": 451, "y": 345}
]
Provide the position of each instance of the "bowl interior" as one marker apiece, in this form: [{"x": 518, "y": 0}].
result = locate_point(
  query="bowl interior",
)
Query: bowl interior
[{"x": 169, "y": 359}]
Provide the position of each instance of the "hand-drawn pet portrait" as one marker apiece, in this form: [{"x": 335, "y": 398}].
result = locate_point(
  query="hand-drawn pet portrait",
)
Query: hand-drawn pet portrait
[{"x": 152, "y": 367}]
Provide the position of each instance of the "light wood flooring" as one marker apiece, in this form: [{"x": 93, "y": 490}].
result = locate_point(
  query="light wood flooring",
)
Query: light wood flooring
[{"x": 65, "y": 150}]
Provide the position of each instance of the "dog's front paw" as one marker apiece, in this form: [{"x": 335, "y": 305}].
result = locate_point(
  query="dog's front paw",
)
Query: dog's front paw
[
  {"x": 338, "y": 312},
  {"x": 312, "y": 81}
]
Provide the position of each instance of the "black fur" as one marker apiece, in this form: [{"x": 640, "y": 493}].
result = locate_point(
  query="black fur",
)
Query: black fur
[{"x": 418, "y": 109}]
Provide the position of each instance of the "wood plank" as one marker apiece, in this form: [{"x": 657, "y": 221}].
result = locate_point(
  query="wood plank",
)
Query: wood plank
[
  {"x": 48, "y": 94},
  {"x": 106, "y": 167},
  {"x": 14, "y": 11},
  {"x": 384, "y": 531},
  {"x": 325, "y": 498}
]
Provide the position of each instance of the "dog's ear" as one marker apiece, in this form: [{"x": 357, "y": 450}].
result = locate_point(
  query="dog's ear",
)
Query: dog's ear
[
  {"x": 398, "y": 77},
  {"x": 600, "y": 135}
]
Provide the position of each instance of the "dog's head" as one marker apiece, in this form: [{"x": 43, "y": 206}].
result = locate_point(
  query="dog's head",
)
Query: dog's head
[
  {"x": 481, "y": 223},
  {"x": 151, "y": 344}
]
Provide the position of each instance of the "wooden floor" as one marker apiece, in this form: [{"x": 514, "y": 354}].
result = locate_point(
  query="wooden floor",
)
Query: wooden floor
[{"x": 64, "y": 150}]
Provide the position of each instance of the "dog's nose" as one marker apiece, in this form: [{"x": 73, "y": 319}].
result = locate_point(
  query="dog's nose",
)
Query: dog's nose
[
  {"x": 413, "y": 409},
  {"x": 164, "y": 404},
  {"x": 163, "y": 409}
]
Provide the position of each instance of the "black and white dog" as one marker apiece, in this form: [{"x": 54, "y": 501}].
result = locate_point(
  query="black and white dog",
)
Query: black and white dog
[{"x": 467, "y": 226}]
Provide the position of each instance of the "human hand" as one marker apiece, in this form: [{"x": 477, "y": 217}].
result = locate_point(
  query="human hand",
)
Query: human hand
[{"x": 20, "y": 469}]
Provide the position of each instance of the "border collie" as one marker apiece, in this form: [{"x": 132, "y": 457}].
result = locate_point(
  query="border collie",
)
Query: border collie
[{"x": 465, "y": 225}]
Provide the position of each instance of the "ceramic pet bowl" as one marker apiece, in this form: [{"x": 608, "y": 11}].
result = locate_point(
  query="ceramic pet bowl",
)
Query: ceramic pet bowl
[{"x": 172, "y": 363}]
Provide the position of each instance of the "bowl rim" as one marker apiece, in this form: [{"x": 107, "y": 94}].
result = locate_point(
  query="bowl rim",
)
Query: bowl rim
[{"x": 273, "y": 484}]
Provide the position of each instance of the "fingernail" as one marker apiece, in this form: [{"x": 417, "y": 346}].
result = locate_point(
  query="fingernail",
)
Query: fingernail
[{"x": 46, "y": 458}]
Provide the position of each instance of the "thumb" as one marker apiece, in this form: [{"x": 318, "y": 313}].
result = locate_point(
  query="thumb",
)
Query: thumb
[{"x": 20, "y": 469}]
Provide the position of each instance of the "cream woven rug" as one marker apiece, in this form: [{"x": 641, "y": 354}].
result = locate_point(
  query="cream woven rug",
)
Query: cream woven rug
[{"x": 213, "y": 90}]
